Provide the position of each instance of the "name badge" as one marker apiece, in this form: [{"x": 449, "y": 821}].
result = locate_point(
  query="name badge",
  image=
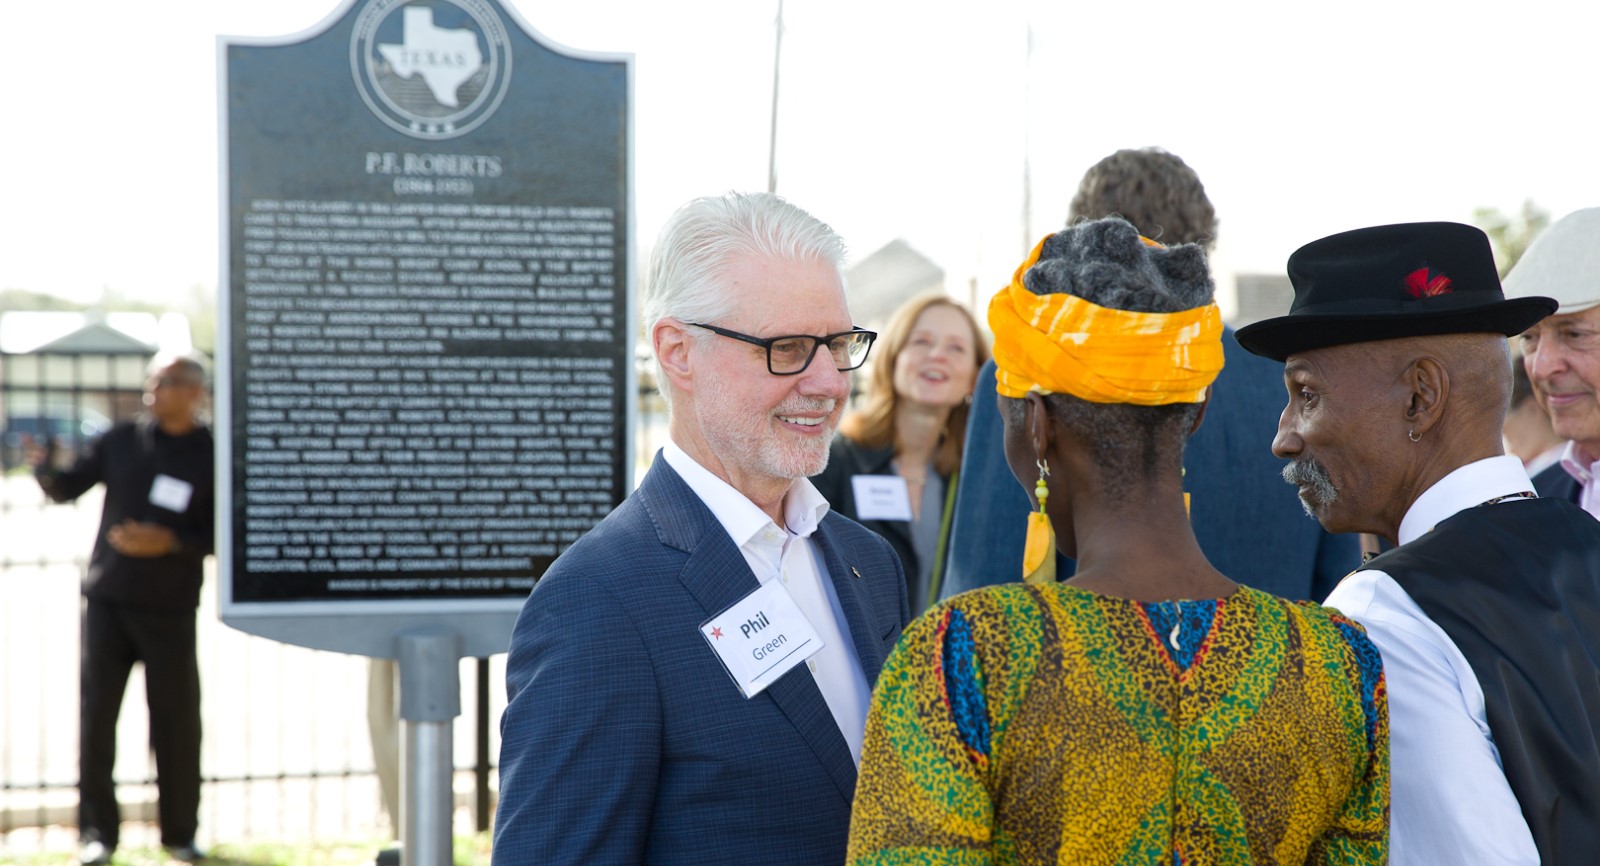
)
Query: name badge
[
  {"x": 761, "y": 637},
  {"x": 171, "y": 494},
  {"x": 881, "y": 497}
]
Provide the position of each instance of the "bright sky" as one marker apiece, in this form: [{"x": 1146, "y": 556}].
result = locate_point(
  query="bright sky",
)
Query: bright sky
[{"x": 897, "y": 118}]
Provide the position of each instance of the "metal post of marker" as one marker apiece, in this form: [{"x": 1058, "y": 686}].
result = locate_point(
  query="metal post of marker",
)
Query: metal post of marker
[{"x": 430, "y": 699}]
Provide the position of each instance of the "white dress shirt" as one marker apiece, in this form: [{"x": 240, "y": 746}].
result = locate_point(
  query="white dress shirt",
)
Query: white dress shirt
[
  {"x": 1582, "y": 466},
  {"x": 787, "y": 554},
  {"x": 1448, "y": 795}
]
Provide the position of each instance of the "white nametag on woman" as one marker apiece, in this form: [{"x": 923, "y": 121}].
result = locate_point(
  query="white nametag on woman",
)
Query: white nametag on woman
[{"x": 881, "y": 497}]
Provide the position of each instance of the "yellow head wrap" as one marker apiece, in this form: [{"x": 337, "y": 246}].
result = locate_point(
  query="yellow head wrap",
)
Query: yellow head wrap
[{"x": 1060, "y": 343}]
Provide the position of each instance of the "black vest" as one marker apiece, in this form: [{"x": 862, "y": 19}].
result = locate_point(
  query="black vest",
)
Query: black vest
[{"x": 1516, "y": 586}]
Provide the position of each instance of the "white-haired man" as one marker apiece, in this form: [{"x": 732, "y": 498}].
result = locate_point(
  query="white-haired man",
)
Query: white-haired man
[
  {"x": 689, "y": 681},
  {"x": 1562, "y": 353}
]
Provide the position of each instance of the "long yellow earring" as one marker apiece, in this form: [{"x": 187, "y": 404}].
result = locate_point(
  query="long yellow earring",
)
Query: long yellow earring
[{"x": 1039, "y": 554}]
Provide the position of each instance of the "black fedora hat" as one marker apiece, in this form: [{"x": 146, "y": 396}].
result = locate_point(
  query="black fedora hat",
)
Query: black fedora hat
[{"x": 1386, "y": 282}]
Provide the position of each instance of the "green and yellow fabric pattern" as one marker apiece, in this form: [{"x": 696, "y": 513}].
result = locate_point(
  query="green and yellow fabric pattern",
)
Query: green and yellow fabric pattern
[{"x": 1048, "y": 724}]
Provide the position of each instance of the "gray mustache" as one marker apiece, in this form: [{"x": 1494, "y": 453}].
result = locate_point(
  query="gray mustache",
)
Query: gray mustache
[
  {"x": 1306, "y": 472},
  {"x": 1314, "y": 482},
  {"x": 802, "y": 405},
  {"x": 1316, "y": 488}
]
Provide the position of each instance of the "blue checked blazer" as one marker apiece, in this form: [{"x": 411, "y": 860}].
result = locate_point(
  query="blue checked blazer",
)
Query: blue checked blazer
[{"x": 625, "y": 741}]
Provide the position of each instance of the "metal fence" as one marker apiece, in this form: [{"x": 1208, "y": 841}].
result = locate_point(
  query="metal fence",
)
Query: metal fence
[{"x": 286, "y": 754}]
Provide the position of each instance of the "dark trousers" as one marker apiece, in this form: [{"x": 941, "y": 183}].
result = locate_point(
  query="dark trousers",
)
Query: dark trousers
[{"x": 114, "y": 637}]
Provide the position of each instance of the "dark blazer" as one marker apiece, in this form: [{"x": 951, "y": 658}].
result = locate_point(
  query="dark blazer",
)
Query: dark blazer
[
  {"x": 625, "y": 741},
  {"x": 846, "y": 460},
  {"x": 1248, "y": 521},
  {"x": 1554, "y": 482}
]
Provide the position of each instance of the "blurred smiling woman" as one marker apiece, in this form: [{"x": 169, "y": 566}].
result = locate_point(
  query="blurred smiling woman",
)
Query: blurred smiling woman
[{"x": 893, "y": 465}]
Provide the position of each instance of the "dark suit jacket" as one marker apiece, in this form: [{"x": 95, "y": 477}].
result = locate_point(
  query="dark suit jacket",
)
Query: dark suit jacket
[
  {"x": 1554, "y": 482},
  {"x": 1248, "y": 521},
  {"x": 846, "y": 460},
  {"x": 625, "y": 741}
]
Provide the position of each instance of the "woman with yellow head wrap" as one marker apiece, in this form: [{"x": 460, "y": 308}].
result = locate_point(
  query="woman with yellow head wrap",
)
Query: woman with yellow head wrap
[{"x": 1148, "y": 709}]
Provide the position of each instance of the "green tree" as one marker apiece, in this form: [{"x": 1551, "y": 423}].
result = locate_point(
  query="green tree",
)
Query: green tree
[
  {"x": 31, "y": 301},
  {"x": 1509, "y": 236},
  {"x": 198, "y": 303}
]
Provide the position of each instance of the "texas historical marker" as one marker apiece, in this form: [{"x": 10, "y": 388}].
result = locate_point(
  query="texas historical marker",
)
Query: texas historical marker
[{"x": 426, "y": 364}]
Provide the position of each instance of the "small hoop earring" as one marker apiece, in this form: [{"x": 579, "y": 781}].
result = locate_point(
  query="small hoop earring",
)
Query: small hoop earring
[{"x": 1412, "y": 435}]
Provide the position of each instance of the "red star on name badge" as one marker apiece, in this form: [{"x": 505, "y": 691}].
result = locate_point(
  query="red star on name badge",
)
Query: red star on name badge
[{"x": 716, "y": 632}]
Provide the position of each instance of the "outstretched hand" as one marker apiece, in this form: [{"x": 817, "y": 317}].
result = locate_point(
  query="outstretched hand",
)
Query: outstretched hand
[{"x": 144, "y": 540}]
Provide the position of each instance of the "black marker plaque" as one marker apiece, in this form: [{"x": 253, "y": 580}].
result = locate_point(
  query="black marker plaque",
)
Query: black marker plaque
[{"x": 427, "y": 304}]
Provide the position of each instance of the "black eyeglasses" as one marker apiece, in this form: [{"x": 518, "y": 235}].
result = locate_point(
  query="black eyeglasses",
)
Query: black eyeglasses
[{"x": 791, "y": 354}]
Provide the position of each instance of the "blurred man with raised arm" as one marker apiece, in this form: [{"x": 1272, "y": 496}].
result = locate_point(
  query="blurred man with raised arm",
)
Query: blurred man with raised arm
[
  {"x": 140, "y": 594},
  {"x": 1487, "y": 612},
  {"x": 689, "y": 682}
]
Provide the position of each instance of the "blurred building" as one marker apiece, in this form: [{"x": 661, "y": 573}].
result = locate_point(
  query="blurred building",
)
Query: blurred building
[
  {"x": 1260, "y": 296},
  {"x": 65, "y": 377},
  {"x": 877, "y": 285}
]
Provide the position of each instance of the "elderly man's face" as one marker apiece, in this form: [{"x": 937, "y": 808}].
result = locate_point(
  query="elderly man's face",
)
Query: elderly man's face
[
  {"x": 1335, "y": 434},
  {"x": 762, "y": 427},
  {"x": 1562, "y": 355}
]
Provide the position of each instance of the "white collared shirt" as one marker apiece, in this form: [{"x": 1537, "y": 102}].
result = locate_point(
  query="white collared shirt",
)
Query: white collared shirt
[
  {"x": 787, "y": 554},
  {"x": 1580, "y": 465},
  {"x": 1448, "y": 795}
]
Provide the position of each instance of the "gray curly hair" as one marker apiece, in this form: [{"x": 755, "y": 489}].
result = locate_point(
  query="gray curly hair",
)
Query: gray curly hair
[
  {"x": 1153, "y": 189},
  {"x": 1106, "y": 263}
]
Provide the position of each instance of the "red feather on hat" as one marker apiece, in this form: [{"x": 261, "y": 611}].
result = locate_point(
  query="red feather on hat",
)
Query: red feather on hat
[{"x": 1420, "y": 285}]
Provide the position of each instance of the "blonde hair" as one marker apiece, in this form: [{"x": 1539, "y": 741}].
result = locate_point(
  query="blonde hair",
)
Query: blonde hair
[{"x": 872, "y": 426}]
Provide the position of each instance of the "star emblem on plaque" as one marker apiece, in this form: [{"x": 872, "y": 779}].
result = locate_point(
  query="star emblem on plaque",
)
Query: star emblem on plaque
[{"x": 433, "y": 69}]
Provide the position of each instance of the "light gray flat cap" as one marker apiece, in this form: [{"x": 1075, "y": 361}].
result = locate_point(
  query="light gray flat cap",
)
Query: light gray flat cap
[{"x": 1562, "y": 263}]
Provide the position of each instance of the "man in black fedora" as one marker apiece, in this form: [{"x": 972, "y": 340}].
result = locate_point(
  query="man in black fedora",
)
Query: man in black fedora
[{"x": 1487, "y": 611}]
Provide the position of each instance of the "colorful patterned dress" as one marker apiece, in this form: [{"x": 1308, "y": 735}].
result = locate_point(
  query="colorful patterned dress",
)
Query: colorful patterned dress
[{"x": 1022, "y": 724}]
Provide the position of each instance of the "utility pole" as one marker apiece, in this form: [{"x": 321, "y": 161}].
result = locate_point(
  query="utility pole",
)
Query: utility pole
[
  {"x": 1028, "y": 239},
  {"x": 772, "y": 141}
]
